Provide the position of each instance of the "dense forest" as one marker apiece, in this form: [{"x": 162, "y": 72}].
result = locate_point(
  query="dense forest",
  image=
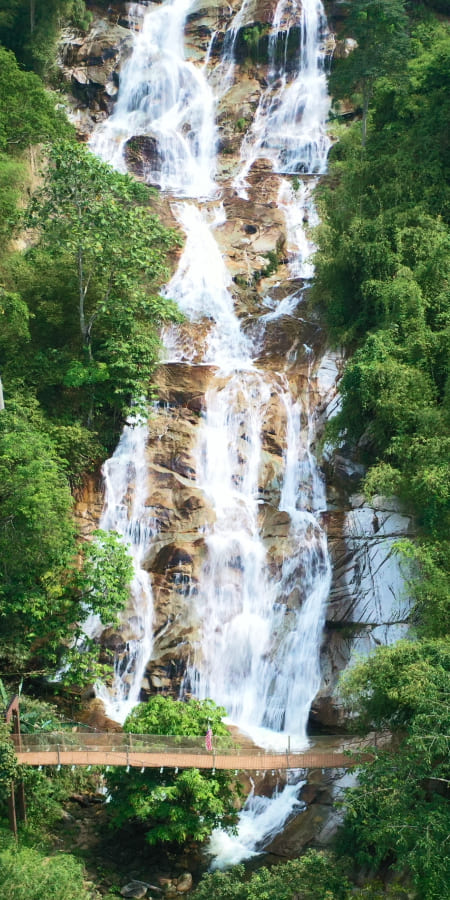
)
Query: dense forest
[{"x": 82, "y": 256}]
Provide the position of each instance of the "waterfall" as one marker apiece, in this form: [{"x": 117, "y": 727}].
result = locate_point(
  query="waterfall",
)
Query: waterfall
[
  {"x": 289, "y": 125},
  {"x": 125, "y": 480},
  {"x": 258, "y": 656},
  {"x": 203, "y": 291},
  {"x": 261, "y": 610},
  {"x": 167, "y": 101}
]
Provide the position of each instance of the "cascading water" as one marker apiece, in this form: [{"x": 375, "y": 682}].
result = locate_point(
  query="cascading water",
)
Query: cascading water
[
  {"x": 289, "y": 124},
  {"x": 202, "y": 291},
  {"x": 301, "y": 216},
  {"x": 167, "y": 100},
  {"x": 258, "y": 657},
  {"x": 261, "y": 819},
  {"x": 258, "y": 652},
  {"x": 126, "y": 485}
]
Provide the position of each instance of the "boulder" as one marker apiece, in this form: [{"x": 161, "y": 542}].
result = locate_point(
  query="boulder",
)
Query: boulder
[
  {"x": 143, "y": 157},
  {"x": 184, "y": 883},
  {"x": 134, "y": 889}
]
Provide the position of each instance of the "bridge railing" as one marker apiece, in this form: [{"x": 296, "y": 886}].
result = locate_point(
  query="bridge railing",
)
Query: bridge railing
[
  {"x": 158, "y": 744},
  {"x": 111, "y": 741}
]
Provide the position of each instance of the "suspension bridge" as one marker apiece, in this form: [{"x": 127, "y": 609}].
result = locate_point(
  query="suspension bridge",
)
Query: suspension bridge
[{"x": 172, "y": 751}]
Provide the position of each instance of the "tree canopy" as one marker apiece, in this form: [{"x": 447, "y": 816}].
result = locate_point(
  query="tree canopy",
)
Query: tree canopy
[
  {"x": 380, "y": 29},
  {"x": 30, "y": 28},
  {"x": 95, "y": 229},
  {"x": 397, "y": 815},
  {"x": 174, "y": 807},
  {"x": 383, "y": 268}
]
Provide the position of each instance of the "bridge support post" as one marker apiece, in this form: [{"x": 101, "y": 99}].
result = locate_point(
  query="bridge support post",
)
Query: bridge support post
[
  {"x": 13, "y": 714},
  {"x": 12, "y": 811}
]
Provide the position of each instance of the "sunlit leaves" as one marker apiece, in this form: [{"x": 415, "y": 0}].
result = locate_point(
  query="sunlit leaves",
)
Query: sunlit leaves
[{"x": 174, "y": 807}]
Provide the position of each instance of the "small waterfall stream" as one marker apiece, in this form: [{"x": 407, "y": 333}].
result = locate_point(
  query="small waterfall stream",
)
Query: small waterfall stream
[
  {"x": 261, "y": 620},
  {"x": 168, "y": 100}
]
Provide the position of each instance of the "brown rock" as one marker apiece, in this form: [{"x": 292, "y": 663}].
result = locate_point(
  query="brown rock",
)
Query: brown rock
[
  {"x": 143, "y": 157},
  {"x": 184, "y": 883}
]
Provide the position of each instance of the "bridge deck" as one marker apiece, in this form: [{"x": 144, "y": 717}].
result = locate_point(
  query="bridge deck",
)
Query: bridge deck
[{"x": 140, "y": 751}]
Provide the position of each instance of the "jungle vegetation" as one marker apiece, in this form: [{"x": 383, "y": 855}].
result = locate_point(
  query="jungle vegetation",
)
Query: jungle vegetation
[{"x": 78, "y": 344}]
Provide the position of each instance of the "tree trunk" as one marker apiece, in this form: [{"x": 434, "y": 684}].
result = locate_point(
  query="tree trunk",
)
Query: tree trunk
[
  {"x": 85, "y": 335},
  {"x": 32, "y": 15},
  {"x": 367, "y": 94},
  {"x": 2, "y": 402}
]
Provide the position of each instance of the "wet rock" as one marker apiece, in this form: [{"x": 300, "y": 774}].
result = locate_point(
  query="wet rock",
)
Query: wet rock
[
  {"x": 94, "y": 715},
  {"x": 134, "y": 889},
  {"x": 89, "y": 504},
  {"x": 92, "y": 62},
  {"x": 347, "y": 471},
  {"x": 368, "y": 604},
  {"x": 184, "y": 385},
  {"x": 344, "y": 47},
  {"x": 143, "y": 157}
]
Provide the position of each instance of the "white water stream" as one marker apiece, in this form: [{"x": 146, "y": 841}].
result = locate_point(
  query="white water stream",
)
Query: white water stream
[
  {"x": 289, "y": 127},
  {"x": 168, "y": 99},
  {"x": 258, "y": 653}
]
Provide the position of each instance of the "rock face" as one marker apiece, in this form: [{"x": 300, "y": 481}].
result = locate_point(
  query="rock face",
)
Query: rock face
[
  {"x": 91, "y": 64},
  {"x": 368, "y": 600}
]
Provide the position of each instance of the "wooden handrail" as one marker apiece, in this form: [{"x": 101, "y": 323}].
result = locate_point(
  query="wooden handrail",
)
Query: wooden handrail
[{"x": 170, "y": 751}]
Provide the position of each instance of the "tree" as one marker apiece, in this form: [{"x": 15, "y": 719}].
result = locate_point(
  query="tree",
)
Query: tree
[
  {"x": 27, "y": 111},
  {"x": 27, "y": 874},
  {"x": 100, "y": 256},
  {"x": 45, "y": 594},
  {"x": 380, "y": 29},
  {"x": 396, "y": 815},
  {"x": 9, "y": 766},
  {"x": 174, "y": 807},
  {"x": 30, "y": 27},
  {"x": 315, "y": 876}
]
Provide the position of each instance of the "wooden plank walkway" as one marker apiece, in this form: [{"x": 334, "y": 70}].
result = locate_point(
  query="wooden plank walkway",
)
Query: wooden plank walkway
[{"x": 92, "y": 753}]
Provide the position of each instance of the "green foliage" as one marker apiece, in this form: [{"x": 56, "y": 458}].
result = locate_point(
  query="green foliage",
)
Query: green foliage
[
  {"x": 391, "y": 819},
  {"x": 431, "y": 590},
  {"x": 241, "y": 124},
  {"x": 27, "y": 112},
  {"x": 397, "y": 684},
  {"x": 380, "y": 30},
  {"x": 163, "y": 715},
  {"x": 36, "y": 534},
  {"x": 383, "y": 270},
  {"x": 44, "y": 595},
  {"x": 30, "y": 28},
  {"x": 27, "y": 874},
  {"x": 90, "y": 283},
  {"x": 252, "y": 41},
  {"x": 103, "y": 580},
  {"x": 79, "y": 314},
  {"x": 395, "y": 815},
  {"x": 173, "y": 807},
  {"x": 315, "y": 876},
  {"x": 9, "y": 767}
]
